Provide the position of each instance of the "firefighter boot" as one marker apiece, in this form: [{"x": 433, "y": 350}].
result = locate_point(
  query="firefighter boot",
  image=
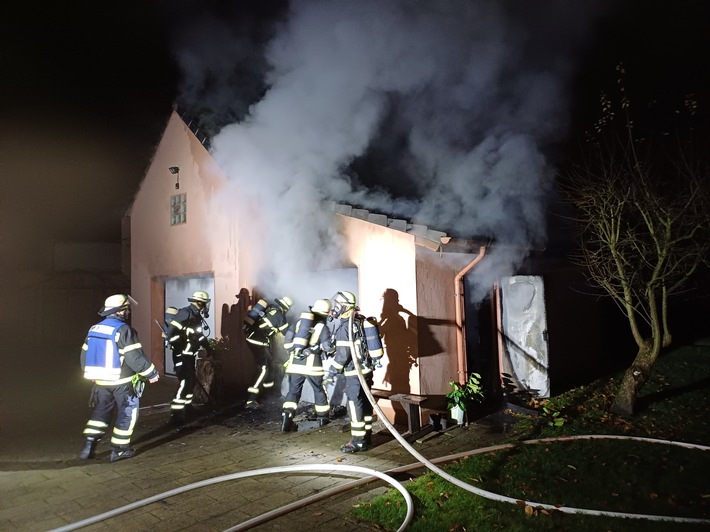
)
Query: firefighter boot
[
  {"x": 88, "y": 450},
  {"x": 287, "y": 424},
  {"x": 368, "y": 439},
  {"x": 323, "y": 421},
  {"x": 122, "y": 454},
  {"x": 177, "y": 418},
  {"x": 354, "y": 447}
]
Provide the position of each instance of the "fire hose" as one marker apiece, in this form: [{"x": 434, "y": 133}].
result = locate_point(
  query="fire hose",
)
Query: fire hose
[
  {"x": 422, "y": 461},
  {"x": 502, "y": 498}
]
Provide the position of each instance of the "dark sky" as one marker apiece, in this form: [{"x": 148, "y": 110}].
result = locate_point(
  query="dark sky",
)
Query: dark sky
[{"x": 86, "y": 88}]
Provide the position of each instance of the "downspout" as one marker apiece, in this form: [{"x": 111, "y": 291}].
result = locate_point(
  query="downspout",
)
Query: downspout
[{"x": 458, "y": 299}]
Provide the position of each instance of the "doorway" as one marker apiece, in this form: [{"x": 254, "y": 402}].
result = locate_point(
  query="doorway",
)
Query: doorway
[{"x": 177, "y": 290}]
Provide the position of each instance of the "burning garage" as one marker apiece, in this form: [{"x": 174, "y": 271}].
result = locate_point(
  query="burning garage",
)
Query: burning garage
[
  {"x": 438, "y": 320},
  {"x": 396, "y": 152}
]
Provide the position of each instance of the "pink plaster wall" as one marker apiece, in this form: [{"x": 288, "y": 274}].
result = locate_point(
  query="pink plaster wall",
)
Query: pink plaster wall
[{"x": 159, "y": 250}]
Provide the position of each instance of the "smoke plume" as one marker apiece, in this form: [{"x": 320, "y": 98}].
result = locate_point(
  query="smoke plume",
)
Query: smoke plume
[{"x": 437, "y": 112}]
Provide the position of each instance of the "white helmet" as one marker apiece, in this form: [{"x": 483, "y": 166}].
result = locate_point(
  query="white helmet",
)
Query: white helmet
[
  {"x": 116, "y": 303},
  {"x": 346, "y": 299},
  {"x": 342, "y": 302},
  {"x": 199, "y": 297},
  {"x": 284, "y": 302},
  {"x": 321, "y": 306}
]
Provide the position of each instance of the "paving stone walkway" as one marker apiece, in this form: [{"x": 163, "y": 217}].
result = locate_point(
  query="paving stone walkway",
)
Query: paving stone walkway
[{"x": 40, "y": 491}]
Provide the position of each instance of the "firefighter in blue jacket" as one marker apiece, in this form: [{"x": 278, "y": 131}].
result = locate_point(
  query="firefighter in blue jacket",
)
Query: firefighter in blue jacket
[
  {"x": 308, "y": 341},
  {"x": 262, "y": 324},
  {"x": 112, "y": 357},
  {"x": 366, "y": 340},
  {"x": 185, "y": 335}
]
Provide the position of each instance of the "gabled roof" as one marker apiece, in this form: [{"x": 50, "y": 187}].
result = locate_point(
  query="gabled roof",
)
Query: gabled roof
[{"x": 423, "y": 235}]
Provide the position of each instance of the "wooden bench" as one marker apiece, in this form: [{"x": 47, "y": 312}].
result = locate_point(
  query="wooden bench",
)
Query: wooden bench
[
  {"x": 410, "y": 402},
  {"x": 412, "y": 405},
  {"x": 381, "y": 394}
]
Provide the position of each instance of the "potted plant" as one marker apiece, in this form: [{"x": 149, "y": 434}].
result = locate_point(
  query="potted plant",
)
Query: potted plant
[
  {"x": 462, "y": 398},
  {"x": 209, "y": 370}
]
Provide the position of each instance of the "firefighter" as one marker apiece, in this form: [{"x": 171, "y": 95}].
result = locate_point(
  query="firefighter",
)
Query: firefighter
[
  {"x": 368, "y": 349},
  {"x": 112, "y": 357},
  {"x": 185, "y": 335},
  {"x": 308, "y": 342},
  {"x": 262, "y": 325}
]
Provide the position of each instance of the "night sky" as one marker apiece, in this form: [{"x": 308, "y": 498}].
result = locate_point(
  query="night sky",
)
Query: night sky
[{"x": 86, "y": 90}]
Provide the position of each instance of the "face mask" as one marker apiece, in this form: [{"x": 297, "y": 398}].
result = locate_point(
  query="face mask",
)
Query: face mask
[{"x": 336, "y": 311}]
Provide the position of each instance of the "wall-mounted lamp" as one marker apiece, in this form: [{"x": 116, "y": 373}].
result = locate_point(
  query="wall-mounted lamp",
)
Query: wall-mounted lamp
[{"x": 175, "y": 170}]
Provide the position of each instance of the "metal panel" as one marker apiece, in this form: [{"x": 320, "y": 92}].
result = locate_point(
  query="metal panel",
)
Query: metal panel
[{"x": 524, "y": 325}]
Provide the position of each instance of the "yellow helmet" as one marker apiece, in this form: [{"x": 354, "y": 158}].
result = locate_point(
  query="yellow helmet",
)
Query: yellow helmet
[
  {"x": 285, "y": 303},
  {"x": 200, "y": 297},
  {"x": 321, "y": 306},
  {"x": 346, "y": 299},
  {"x": 342, "y": 302}
]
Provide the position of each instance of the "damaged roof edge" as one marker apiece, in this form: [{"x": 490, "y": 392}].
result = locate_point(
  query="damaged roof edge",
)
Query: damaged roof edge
[{"x": 423, "y": 236}]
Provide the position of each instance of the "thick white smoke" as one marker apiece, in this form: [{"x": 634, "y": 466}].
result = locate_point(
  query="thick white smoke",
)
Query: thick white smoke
[{"x": 459, "y": 99}]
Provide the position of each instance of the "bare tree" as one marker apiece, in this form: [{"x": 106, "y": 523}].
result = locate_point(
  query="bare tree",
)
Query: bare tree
[{"x": 642, "y": 210}]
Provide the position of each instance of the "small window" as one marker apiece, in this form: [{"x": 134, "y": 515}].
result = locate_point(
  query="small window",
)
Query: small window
[{"x": 178, "y": 209}]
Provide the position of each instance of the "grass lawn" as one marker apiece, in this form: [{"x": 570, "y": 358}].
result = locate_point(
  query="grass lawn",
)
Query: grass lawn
[{"x": 608, "y": 475}]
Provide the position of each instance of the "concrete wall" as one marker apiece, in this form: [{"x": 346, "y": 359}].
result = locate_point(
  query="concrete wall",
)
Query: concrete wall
[
  {"x": 86, "y": 257},
  {"x": 53, "y": 308}
]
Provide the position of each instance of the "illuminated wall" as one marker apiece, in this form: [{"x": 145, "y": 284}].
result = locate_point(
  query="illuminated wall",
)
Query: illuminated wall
[
  {"x": 409, "y": 288},
  {"x": 385, "y": 261}
]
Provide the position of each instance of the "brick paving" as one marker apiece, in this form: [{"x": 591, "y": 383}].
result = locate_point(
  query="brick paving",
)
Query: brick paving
[{"x": 46, "y": 490}]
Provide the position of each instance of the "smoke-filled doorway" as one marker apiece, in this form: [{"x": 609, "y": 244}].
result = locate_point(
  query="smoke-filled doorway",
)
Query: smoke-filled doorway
[
  {"x": 324, "y": 285},
  {"x": 177, "y": 290}
]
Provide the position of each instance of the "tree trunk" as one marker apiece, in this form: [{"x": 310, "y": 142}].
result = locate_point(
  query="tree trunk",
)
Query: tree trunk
[
  {"x": 634, "y": 379},
  {"x": 667, "y": 336}
]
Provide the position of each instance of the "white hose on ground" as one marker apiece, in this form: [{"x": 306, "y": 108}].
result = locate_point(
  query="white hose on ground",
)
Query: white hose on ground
[
  {"x": 422, "y": 461},
  {"x": 330, "y": 492},
  {"x": 502, "y": 498},
  {"x": 331, "y": 468}
]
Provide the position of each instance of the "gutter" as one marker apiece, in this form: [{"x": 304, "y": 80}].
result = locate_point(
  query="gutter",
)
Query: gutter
[{"x": 458, "y": 300}]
